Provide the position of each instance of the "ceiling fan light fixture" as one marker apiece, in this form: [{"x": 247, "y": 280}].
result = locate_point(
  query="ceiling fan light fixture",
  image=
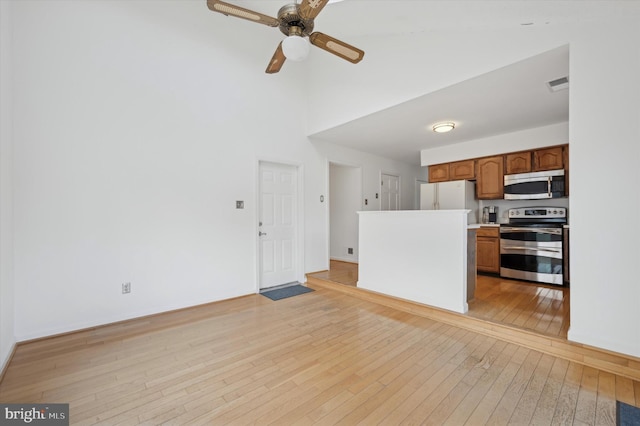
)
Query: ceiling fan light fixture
[
  {"x": 295, "y": 48},
  {"x": 444, "y": 127}
]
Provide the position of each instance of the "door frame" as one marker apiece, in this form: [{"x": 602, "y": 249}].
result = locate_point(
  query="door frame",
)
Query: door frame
[{"x": 299, "y": 264}]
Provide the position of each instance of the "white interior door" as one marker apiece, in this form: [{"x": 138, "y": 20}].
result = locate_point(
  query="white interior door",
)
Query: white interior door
[
  {"x": 390, "y": 192},
  {"x": 278, "y": 224}
]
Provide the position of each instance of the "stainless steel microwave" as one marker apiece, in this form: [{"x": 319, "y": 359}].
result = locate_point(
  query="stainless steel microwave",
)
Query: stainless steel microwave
[{"x": 534, "y": 186}]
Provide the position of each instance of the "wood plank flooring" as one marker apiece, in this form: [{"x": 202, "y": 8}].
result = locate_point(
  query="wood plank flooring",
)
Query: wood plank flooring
[
  {"x": 323, "y": 357},
  {"x": 340, "y": 272},
  {"x": 539, "y": 308}
]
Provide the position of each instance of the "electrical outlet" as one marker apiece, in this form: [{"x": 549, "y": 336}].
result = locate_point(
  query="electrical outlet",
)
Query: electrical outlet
[
  {"x": 126, "y": 288},
  {"x": 350, "y": 250},
  {"x": 239, "y": 204}
]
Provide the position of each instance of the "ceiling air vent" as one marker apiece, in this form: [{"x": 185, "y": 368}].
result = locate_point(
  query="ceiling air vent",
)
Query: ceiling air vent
[{"x": 558, "y": 84}]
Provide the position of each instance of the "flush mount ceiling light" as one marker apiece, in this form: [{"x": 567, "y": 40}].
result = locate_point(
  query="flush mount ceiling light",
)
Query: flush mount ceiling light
[{"x": 444, "y": 127}]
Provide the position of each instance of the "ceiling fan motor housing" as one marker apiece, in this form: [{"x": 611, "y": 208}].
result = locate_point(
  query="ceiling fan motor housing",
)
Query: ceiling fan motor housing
[{"x": 289, "y": 17}]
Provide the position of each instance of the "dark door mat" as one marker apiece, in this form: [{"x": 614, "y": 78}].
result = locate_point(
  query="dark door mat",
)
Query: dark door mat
[
  {"x": 283, "y": 293},
  {"x": 627, "y": 415}
]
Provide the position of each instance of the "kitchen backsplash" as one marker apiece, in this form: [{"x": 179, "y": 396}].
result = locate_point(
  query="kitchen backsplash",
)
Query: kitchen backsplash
[{"x": 505, "y": 205}]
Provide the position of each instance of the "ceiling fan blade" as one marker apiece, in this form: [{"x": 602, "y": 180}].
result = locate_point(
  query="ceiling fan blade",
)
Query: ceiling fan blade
[
  {"x": 240, "y": 12},
  {"x": 309, "y": 9},
  {"x": 337, "y": 47},
  {"x": 276, "y": 61}
]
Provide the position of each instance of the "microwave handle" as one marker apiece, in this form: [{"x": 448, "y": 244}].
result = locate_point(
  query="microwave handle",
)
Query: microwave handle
[{"x": 549, "y": 186}]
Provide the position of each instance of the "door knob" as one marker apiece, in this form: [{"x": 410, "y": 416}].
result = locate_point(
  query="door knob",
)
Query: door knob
[{"x": 260, "y": 233}]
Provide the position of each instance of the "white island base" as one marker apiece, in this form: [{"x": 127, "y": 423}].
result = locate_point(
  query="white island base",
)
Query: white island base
[{"x": 417, "y": 255}]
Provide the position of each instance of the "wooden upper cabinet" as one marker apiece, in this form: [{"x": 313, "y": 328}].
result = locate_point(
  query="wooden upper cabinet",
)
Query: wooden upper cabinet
[
  {"x": 439, "y": 173},
  {"x": 462, "y": 170},
  {"x": 490, "y": 178},
  {"x": 518, "y": 162},
  {"x": 548, "y": 159},
  {"x": 566, "y": 169}
]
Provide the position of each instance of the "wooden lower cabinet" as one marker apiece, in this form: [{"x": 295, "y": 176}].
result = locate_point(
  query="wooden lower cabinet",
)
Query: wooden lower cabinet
[{"x": 488, "y": 249}]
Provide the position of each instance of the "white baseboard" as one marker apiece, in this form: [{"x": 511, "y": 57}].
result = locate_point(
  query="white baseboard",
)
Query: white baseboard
[
  {"x": 7, "y": 359},
  {"x": 344, "y": 259}
]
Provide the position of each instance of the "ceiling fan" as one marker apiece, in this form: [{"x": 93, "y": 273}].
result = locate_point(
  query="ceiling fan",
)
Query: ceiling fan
[{"x": 296, "y": 22}]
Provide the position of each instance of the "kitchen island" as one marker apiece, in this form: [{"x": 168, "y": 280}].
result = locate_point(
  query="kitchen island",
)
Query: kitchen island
[{"x": 417, "y": 255}]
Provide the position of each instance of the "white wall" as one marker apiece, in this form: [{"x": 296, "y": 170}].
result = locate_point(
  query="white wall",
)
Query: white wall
[
  {"x": 373, "y": 167},
  {"x": 604, "y": 65},
  {"x": 7, "y": 333},
  {"x": 135, "y": 131},
  {"x": 136, "y": 128},
  {"x": 555, "y": 134},
  {"x": 416, "y": 255},
  {"x": 345, "y": 200}
]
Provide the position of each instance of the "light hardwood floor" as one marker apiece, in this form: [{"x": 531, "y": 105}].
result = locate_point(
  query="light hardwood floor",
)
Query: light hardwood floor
[
  {"x": 539, "y": 308},
  {"x": 543, "y": 309},
  {"x": 319, "y": 358}
]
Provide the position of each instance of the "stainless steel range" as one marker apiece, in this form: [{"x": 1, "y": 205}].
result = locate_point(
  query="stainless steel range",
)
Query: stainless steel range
[{"x": 531, "y": 244}]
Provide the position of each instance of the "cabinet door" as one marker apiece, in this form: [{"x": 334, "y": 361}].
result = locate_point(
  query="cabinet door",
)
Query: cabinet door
[
  {"x": 490, "y": 178},
  {"x": 488, "y": 254},
  {"x": 439, "y": 173},
  {"x": 548, "y": 159},
  {"x": 462, "y": 170},
  {"x": 565, "y": 152},
  {"x": 519, "y": 162}
]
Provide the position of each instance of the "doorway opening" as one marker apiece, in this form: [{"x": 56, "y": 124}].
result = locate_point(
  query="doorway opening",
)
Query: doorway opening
[{"x": 345, "y": 200}]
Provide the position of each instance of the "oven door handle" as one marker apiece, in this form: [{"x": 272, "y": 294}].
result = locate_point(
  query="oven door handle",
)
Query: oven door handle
[
  {"x": 520, "y": 248},
  {"x": 553, "y": 231}
]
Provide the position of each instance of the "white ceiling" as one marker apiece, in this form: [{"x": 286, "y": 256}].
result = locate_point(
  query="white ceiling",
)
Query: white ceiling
[
  {"x": 369, "y": 17},
  {"x": 508, "y": 99},
  {"x": 512, "y": 98}
]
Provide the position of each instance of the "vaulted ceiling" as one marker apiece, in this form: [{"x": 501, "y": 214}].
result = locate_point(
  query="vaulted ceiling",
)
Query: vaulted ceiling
[{"x": 508, "y": 99}]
